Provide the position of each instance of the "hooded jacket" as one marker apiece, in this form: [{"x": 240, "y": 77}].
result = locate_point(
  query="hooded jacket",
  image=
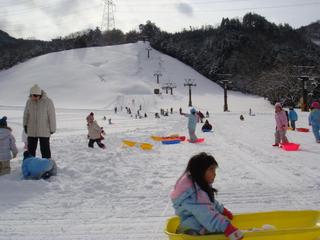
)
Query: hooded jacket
[
  {"x": 34, "y": 168},
  {"x": 94, "y": 130},
  {"x": 195, "y": 210},
  {"x": 7, "y": 144},
  {"x": 293, "y": 116},
  {"x": 314, "y": 117},
  {"x": 40, "y": 117},
  {"x": 281, "y": 120}
]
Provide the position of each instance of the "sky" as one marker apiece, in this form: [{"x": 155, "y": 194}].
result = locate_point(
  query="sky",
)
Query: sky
[
  {"x": 122, "y": 193},
  {"x": 45, "y": 20}
]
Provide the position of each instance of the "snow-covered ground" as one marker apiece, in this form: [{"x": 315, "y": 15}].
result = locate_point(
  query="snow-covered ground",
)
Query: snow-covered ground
[{"x": 122, "y": 193}]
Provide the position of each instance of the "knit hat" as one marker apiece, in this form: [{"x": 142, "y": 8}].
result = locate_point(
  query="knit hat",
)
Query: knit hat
[
  {"x": 35, "y": 90},
  {"x": 90, "y": 117},
  {"x": 278, "y": 105},
  {"x": 3, "y": 121},
  {"x": 315, "y": 105},
  {"x": 193, "y": 110}
]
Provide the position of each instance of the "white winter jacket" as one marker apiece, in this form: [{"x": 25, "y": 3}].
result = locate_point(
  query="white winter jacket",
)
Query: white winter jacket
[
  {"x": 40, "y": 117},
  {"x": 7, "y": 144}
]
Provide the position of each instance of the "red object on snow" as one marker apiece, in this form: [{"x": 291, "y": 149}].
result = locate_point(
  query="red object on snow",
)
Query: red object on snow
[
  {"x": 199, "y": 140},
  {"x": 303, "y": 129},
  {"x": 290, "y": 146}
]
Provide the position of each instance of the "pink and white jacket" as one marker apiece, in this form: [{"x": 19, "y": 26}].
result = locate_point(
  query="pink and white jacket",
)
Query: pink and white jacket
[
  {"x": 281, "y": 120},
  {"x": 195, "y": 210}
]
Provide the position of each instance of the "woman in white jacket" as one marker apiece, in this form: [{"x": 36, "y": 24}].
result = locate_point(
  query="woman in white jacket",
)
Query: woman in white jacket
[{"x": 39, "y": 121}]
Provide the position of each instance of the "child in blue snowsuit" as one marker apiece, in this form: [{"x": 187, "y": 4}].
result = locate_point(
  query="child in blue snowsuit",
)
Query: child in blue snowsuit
[
  {"x": 293, "y": 117},
  {"x": 314, "y": 120},
  {"x": 194, "y": 201},
  {"x": 36, "y": 168},
  {"x": 192, "y": 123}
]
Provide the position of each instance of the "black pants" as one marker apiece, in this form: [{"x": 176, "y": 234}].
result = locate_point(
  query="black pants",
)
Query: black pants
[
  {"x": 44, "y": 146},
  {"x": 98, "y": 141}
]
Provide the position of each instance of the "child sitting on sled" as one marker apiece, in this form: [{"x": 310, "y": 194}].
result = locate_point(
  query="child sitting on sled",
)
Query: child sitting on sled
[
  {"x": 194, "y": 201},
  {"x": 207, "y": 127},
  {"x": 95, "y": 132}
]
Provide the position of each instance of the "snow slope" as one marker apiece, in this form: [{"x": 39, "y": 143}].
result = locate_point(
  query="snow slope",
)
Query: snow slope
[{"x": 122, "y": 193}]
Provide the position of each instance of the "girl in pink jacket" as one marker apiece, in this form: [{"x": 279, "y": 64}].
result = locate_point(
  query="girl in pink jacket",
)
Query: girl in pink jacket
[{"x": 281, "y": 125}]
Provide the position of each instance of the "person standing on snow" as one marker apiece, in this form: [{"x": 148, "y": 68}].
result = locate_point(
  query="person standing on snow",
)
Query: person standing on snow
[
  {"x": 192, "y": 123},
  {"x": 39, "y": 121},
  {"x": 281, "y": 125},
  {"x": 314, "y": 120},
  {"x": 293, "y": 117},
  {"x": 7, "y": 146}
]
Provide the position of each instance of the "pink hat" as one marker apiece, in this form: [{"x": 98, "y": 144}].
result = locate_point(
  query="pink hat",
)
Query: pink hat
[
  {"x": 315, "y": 105},
  {"x": 90, "y": 117},
  {"x": 278, "y": 105}
]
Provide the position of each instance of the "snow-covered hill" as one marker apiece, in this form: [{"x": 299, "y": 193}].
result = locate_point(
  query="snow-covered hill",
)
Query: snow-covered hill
[{"x": 122, "y": 193}]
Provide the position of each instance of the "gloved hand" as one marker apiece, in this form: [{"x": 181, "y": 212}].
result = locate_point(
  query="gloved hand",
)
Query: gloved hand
[
  {"x": 227, "y": 213},
  {"x": 51, "y": 133},
  {"x": 25, "y": 129},
  {"x": 233, "y": 233}
]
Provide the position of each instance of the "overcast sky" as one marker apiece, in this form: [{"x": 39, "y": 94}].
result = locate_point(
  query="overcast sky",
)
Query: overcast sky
[{"x": 47, "y": 19}]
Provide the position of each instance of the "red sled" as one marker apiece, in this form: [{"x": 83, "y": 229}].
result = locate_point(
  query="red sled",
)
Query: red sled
[
  {"x": 199, "y": 140},
  {"x": 289, "y": 146},
  {"x": 303, "y": 129}
]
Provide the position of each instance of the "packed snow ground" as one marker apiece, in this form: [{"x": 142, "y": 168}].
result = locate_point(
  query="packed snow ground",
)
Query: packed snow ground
[{"x": 122, "y": 193}]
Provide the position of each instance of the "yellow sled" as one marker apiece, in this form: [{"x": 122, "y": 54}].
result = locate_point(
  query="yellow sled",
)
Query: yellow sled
[
  {"x": 277, "y": 225},
  {"x": 143, "y": 146}
]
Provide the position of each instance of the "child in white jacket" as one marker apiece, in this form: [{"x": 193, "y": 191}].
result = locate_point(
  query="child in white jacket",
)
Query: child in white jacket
[{"x": 7, "y": 146}]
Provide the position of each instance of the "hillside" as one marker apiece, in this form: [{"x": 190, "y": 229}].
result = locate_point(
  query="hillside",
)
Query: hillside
[
  {"x": 122, "y": 193},
  {"x": 259, "y": 54}
]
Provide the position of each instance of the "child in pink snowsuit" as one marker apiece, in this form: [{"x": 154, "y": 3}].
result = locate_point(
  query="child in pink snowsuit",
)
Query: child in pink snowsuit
[{"x": 281, "y": 125}]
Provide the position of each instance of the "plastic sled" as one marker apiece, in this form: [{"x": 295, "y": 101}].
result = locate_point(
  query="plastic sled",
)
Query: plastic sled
[
  {"x": 282, "y": 225},
  {"x": 207, "y": 130},
  {"x": 302, "y": 129},
  {"x": 173, "y": 137},
  {"x": 129, "y": 143},
  {"x": 199, "y": 140},
  {"x": 143, "y": 146},
  {"x": 289, "y": 146},
  {"x": 173, "y": 141}
]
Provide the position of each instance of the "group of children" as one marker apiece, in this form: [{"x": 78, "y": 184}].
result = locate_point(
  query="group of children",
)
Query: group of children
[
  {"x": 283, "y": 119},
  {"x": 32, "y": 167}
]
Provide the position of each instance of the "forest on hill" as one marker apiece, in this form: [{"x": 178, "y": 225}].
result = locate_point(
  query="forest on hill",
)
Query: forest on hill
[{"x": 259, "y": 57}]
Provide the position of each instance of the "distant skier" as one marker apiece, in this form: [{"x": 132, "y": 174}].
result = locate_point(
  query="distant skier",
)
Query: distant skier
[
  {"x": 192, "y": 123},
  {"x": 95, "y": 132},
  {"x": 241, "y": 117},
  {"x": 207, "y": 114}
]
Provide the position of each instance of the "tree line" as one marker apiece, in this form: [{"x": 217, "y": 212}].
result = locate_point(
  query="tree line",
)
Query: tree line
[{"x": 260, "y": 55}]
